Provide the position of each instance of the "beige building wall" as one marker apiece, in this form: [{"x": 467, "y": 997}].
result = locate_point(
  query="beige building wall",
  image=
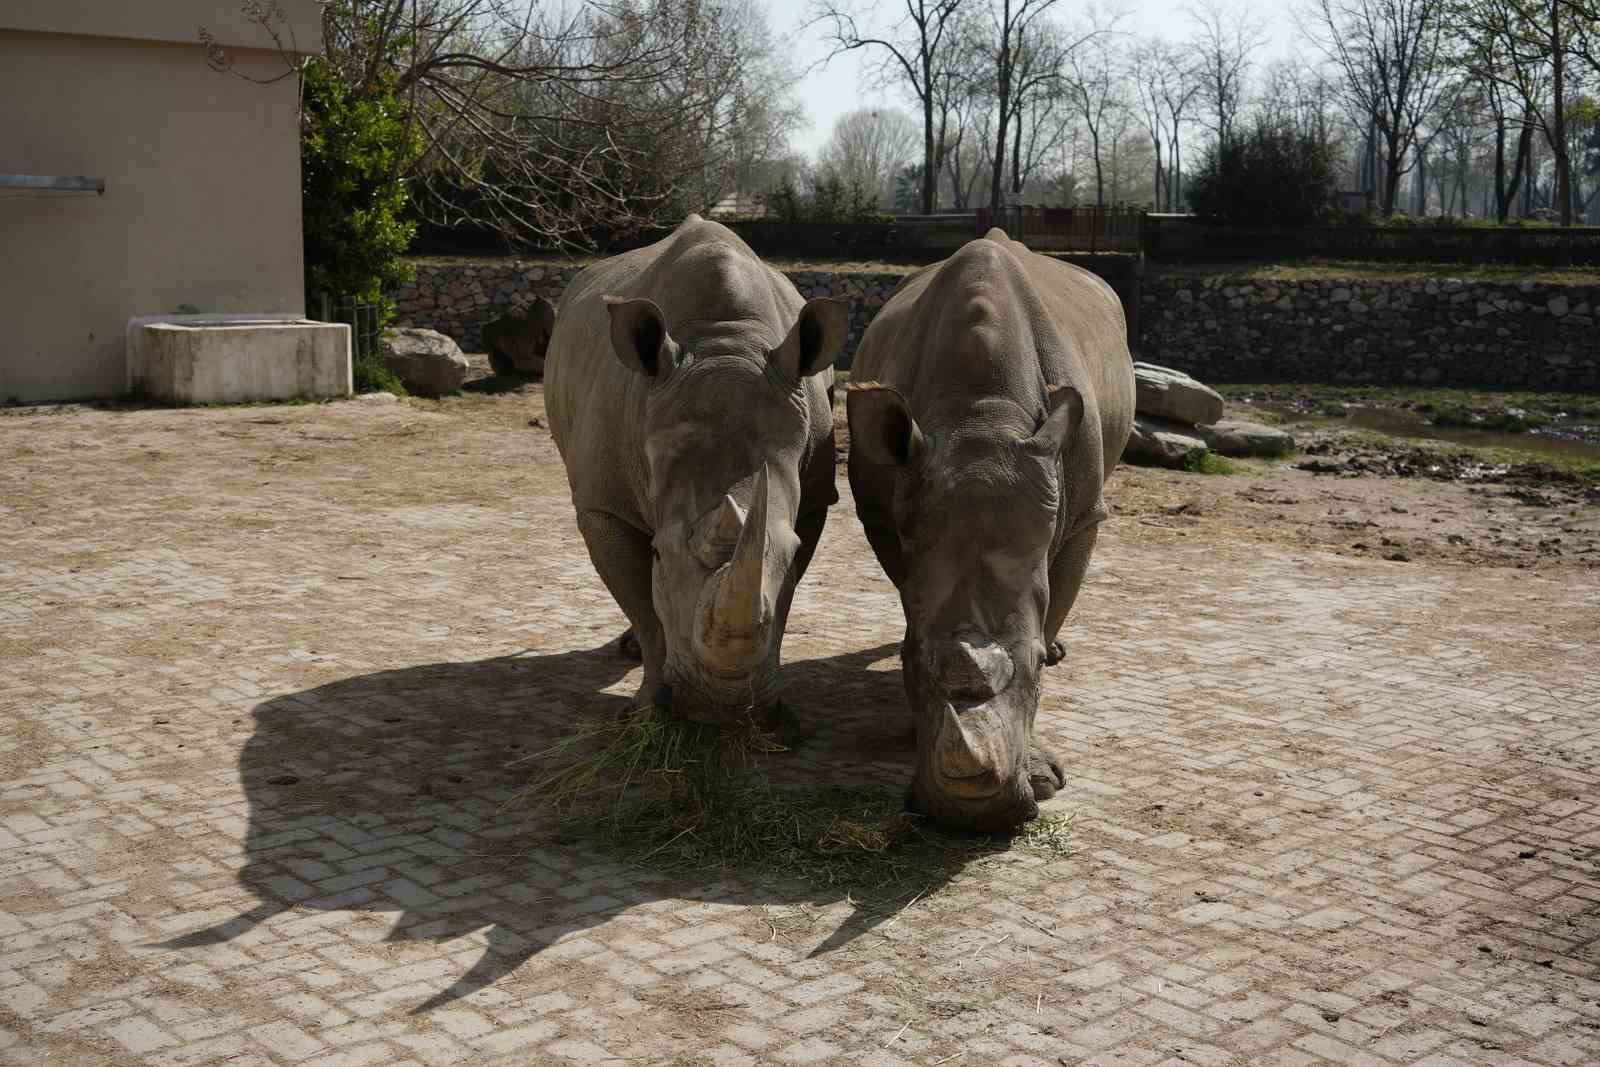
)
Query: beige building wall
[{"x": 202, "y": 183}]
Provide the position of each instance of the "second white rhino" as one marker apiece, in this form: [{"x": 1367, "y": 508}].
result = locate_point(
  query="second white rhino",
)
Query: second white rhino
[
  {"x": 689, "y": 390},
  {"x": 995, "y": 394}
]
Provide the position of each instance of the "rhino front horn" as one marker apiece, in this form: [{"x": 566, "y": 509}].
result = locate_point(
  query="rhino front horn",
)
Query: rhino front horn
[
  {"x": 970, "y": 751},
  {"x": 740, "y": 609}
]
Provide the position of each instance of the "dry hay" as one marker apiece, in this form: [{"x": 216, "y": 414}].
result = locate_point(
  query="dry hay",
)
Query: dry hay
[{"x": 689, "y": 798}]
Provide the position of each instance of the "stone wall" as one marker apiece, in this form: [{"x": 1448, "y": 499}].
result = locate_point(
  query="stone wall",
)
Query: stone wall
[
  {"x": 1509, "y": 335},
  {"x": 458, "y": 298},
  {"x": 1217, "y": 327}
]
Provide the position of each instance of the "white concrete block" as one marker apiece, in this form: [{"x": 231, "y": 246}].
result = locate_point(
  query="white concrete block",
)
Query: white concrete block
[{"x": 235, "y": 359}]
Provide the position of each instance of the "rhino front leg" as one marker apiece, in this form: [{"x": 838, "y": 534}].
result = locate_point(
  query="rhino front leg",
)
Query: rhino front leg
[
  {"x": 1045, "y": 771},
  {"x": 621, "y": 554},
  {"x": 809, "y": 529},
  {"x": 1066, "y": 578}
]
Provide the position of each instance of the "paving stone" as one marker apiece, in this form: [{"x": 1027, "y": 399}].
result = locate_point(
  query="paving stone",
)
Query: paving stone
[{"x": 1296, "y": 830}]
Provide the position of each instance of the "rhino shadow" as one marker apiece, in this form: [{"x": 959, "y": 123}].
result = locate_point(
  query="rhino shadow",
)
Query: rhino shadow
[{"x": 397, "y": 792}]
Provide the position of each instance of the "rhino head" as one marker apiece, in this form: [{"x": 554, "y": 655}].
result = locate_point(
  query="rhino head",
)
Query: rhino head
[
  {"x": 729, "y": 417},
  {"x": 976, "y": 512}
]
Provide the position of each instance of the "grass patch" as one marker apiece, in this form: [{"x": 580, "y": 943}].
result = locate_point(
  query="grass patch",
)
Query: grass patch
[
  {"x": 690, "y": 799},
  {"x": 1502, "y": 420},
  {"x": 1367, "y": 270},
  {"x": 1204, "y": 461},
  {"x": 1484, "y": 404},
  {"x": 372, "y": 376}
]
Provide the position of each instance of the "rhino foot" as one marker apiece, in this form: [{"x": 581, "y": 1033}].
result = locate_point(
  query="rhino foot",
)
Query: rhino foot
[
  {"x": 1045, "y": 772},
  {"x": 1054, "y": 653},
  {"x": 628, "y": 646}
]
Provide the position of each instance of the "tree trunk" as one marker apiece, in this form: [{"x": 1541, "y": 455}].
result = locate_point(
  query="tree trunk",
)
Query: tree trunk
[
  {"x": 930, "y": 173},
  {"x": 1099, "y": 175},
  {"x": 1003, "y": 101},
  {"x": 1502, "y": 199},
  {"x": 1391, "y": 173},
  {"x": 1155, "y": 187},
  {"x": 1558, "y": 136},
  {"x": 1420, "y": 192},
  {"x": 1016, "y": 153}
]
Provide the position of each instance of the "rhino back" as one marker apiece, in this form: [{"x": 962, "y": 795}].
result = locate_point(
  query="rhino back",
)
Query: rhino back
[
  {"x": 997, "y": 320},
  {"x": 705, "y": 279}
]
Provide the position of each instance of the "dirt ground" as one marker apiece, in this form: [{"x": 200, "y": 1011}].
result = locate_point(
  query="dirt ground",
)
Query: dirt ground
[{"x": 264, "y": 672}]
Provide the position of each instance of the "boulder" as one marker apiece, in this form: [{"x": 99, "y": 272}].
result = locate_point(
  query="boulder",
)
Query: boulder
[
  {"x": 1161, "y": 442},
  {"x": 1172, "y": 394},
  {"x": 517, "y": 340},
  {"x": 1232, "y": 437},
  {"x": 427, "y": 361}
]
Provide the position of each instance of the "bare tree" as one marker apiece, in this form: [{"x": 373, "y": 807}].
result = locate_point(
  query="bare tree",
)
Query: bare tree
[
  {"x": 1392, "y": 56},
  {"x": 1179, "y": 87},
  {"x": 1094, "y": 75},
  {"x": 961, "y": 96},
  {"x": 1015, "y": 22},
  {"x": 551, "y": 124},
  {"x": 1520, "y": 42},
  {"x": 1040, "y": 103},
  {"x": 867, "y": 149},
  {"x": 915, "y": 52},
  {"x": 1514, "y": 81},
  {"x": 1225, "y": 39}
]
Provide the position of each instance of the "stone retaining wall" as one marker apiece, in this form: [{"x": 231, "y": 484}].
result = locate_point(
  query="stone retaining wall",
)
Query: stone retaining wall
[
  {"x": 1218, "y": 328},
  {"x": 1507, "y": 335},
  {"x": 458, "y": 298}
]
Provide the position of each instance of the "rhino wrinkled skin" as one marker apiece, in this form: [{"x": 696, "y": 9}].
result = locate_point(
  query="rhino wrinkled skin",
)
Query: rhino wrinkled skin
[
  {"x": 689, "y": 391},
  {"x": 995, "y": 396}
]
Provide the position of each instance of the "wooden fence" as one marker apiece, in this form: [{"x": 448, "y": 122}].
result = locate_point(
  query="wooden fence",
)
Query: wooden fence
[
  {"x": 1068, "y": 229},
  {"x": 1171, "y": 238}
]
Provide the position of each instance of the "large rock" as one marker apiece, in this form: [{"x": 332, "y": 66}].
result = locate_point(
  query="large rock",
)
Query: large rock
[
  {"x": 1161, "y": 442},
  {"x": 1172, "y": 394},
  {"x": 1232, "y": 437},
  {"x": 517, "y": 340},
  {"x": 427, "y": 361}
]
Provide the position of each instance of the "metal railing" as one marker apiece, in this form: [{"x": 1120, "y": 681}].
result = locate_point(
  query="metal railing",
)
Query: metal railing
[
  {"x": 1068, "y": 229},
  {"x": 362, "y": 318}
]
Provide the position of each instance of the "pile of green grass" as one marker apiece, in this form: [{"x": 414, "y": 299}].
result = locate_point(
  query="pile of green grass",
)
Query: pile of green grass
[
  {"x": 1205, "y": 461},
  {"x": 372, "y": 375},
  {"x": 686, "y": 798}
]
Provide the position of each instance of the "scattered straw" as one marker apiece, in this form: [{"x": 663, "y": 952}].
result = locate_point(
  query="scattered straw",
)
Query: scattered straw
[{"x": 686, "y": 798}]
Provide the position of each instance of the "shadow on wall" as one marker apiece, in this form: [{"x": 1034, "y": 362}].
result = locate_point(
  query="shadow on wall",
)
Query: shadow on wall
[{"x": 389, "y": 793}]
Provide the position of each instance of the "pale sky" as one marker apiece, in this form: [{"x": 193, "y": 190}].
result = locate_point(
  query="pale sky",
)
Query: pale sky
[{"x": 830, "y": 91}]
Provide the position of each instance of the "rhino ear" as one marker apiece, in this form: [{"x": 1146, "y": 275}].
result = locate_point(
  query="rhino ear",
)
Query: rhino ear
[
  {"x": 881, "y": 425},
  {"x": 639, "y": 337},
  {"x": 816, "y": 339},
  {"x": 542, "y": 314},
  {"x": 1065, "y": 415}
]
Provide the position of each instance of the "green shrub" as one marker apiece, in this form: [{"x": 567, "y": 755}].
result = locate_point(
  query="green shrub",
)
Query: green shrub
[
  {"x": 372, "y": 376},
  {"x": 1204, "y": 461},
  {"x": 355, "y": 141},
  {"x": 1270, "y": 175}
]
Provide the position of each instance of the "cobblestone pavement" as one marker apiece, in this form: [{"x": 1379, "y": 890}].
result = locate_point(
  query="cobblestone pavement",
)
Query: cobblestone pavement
[{"x": 264, "y": 669}]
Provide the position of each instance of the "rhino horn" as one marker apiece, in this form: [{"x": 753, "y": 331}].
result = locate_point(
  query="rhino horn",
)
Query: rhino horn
[
  {"x": 970, "y": 753},
  {"x": 740, "y": 606},
  {"x": 719, "y": 531},
  {"x": 975, "y": 668}
]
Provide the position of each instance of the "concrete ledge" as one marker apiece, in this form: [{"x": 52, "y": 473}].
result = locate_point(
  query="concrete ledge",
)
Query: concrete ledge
[{"x": 234, "y": 359}]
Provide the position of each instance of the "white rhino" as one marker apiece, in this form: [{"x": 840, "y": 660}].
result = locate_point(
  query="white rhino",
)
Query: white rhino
[
  {"x": 991, "y": 398},
  {"x": 689, "y": 389}
]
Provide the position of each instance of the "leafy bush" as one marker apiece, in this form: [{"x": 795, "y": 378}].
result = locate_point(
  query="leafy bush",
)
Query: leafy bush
[
  {"x": 372, "y": 375},
  {"x": 354, "y": 142},
  {"x": 832, "y": 200},
  {"x": 1270, "y": 175}
]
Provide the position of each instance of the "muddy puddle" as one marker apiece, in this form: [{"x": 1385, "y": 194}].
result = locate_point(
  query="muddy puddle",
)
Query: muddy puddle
[{"x": 1572, "y": 441}]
